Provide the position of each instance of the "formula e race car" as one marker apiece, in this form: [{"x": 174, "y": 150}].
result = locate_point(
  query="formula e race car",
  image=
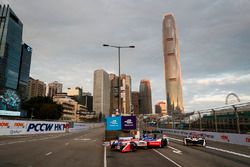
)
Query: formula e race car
[
  {"x": 156, "y": 141},
  {"x": 195, "y": 140},
  {"x": 127, "y": 144}
]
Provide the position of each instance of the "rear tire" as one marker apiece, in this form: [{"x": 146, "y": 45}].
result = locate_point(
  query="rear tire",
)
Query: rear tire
[{"x": 162, "y": 144}]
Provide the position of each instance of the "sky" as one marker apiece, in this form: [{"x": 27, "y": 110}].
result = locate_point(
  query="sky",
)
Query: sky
[{"x": 67, "y": 37}]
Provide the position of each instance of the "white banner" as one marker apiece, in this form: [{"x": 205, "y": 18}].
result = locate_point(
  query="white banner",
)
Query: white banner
[
  {"x": 17, "y": 127},
  {"x": 233, "y": 138}
]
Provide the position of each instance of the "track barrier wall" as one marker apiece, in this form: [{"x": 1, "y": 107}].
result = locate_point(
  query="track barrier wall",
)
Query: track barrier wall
[
  {"x": 233, "y": 138},
  {"x": 20, "y": 127}
]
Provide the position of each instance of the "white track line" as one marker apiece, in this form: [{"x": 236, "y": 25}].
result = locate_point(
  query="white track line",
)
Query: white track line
[
  {"x": 48, "y": 153},
  {"x": 167, "y": 158},
  {"x": 230, "y": 152},
  {"x": 175, "y": 150},
  {"x": 105, "y": 157},
  {"x": 219, "y": 149}
]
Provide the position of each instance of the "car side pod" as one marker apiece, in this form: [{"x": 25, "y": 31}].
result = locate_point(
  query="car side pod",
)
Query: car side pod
[{"x": 130, "y": 147}]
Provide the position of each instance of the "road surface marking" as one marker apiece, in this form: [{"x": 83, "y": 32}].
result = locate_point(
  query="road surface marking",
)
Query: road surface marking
[
  {"x": 85, "y": 139},
  {"x": 105, "y": 157},
  {"x": 167, "y": 158},
  {"x": 175, "y": 139},
  {"x": 48, "y": 153},
  {"x": 230, "y": 152},
  {"x": 175, "y": 150},
  {"x": 219, "y": 149}
]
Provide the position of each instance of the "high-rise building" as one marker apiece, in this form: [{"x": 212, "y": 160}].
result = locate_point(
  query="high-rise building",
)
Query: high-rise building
[
  {"x": 11, "y": 29},
  {"x": 125, "y": 92},
  {"x": 14, "y": 61},
  {"x": 24, "y": 71},
  {"x": 145, "y": 99},
  {"x": 125, "y": 81},
  {"x": 171, "y": 51},
  {"x": 160, "y": 108},
  {"x": 54, "y": 88},
  {"x": 113, "y": 94},
  {"x": 101, "y": 92},
  {"x": 135, "y": 102},
  {"x": 36, "y": 88}
]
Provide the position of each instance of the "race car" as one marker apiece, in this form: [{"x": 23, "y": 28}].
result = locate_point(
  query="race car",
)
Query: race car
[
  {"x": 156, "y": 141},
  {"x": 127, "y": 144},
  {"x": 194, "y": 139}
]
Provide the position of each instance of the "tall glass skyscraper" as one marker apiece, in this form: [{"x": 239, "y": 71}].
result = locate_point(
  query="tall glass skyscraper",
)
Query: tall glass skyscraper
[
  {"x": 24, "y": 71},
  {"x": 15, "y": 59},
  {"x": 11, "y": 29},
  {"x": 173, "y": 79},
  {"x": 145, "y": 99}
]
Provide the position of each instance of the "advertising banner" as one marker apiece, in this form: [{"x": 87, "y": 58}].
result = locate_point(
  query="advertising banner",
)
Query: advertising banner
[
  {"x": 18, "y": 127},
  {"x": 128, "y": 122},
  {"x": 233, "y": 138},
  {"x": 113, "y": 123}
]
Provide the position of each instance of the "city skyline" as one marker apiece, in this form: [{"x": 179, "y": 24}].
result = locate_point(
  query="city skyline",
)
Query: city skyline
[{"x": 214, "y": 38}]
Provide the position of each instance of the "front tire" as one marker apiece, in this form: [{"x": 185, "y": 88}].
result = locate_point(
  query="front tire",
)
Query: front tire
[
  {"x": 133, "y": 146},
  {"x": 184, "y": 142}
]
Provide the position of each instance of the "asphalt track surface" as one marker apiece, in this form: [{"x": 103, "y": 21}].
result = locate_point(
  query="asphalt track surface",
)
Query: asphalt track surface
[
  {"x": 82, "y": 149},
  {"x": 215, "y": 154},
  {"x": 85, "y": 149}
]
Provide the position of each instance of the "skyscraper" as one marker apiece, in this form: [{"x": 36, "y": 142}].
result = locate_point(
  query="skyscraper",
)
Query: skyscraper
[
  {"x": 14, "y": 62},
  {"x": 101, "y": 92},
  {"x": 54, "y": 88},
  {"x": 125, "y": 94},
  {"x": 24, "y": 71},
  {"x": 125, "y": 91},
  {"x": 11, "y": 29},
  {"x": 171, "y": 52},
  {"x": 135, "y": 102},
  {"x": 113, "y": 93},
  {"x": 145, "y": 99}
]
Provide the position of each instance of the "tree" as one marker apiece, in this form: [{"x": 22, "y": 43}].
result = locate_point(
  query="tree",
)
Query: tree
[{"x": 42, "y": 108}]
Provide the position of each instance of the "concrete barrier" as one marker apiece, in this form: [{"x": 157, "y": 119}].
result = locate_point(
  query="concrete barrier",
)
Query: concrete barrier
[{"x": 241, "y": 139}]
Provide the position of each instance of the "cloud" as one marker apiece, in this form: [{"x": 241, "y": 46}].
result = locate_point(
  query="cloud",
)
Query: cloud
[
  {"x": 67, "y": 39},
  {"x": 221, "y": 79}
]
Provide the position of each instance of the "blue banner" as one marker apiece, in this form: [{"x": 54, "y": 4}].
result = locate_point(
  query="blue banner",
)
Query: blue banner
[{"x": 113, "y": 123}]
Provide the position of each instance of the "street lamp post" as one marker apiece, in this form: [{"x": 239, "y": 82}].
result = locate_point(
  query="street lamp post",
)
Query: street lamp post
[{"x": 119, "y": 68}]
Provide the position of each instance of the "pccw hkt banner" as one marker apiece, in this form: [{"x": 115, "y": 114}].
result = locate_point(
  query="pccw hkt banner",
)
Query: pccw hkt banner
[{"x": 18, "y": 127}]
